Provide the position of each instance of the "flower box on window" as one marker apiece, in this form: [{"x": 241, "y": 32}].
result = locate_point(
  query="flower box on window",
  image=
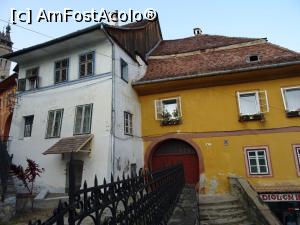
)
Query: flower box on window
[
  {"x": 173, "y": 121},
  {"x": 254, "y": 117},
  {"x": 293, "y": 113}
]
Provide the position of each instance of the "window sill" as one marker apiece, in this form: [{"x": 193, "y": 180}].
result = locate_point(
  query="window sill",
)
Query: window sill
[
  {"x": 170, "y": 122},
  {"x": 293, "y": 113},
  {"x": 255, "y": 117},
  {"x": 260, "y": 175}
]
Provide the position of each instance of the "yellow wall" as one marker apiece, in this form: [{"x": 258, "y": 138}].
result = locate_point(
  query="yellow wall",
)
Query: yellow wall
[{"x": 215, "y": 109}]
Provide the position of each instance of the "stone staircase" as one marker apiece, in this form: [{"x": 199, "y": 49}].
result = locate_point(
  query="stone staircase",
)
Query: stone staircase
[{"x": 222, "y": 210}]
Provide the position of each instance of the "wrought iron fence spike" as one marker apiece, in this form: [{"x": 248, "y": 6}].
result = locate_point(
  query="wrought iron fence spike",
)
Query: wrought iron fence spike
[
  {"x": 96, "y": 181},
  {"x": 111, "y": 178}
]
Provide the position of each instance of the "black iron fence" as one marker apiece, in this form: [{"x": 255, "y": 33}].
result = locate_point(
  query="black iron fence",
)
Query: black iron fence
[{"x": 146, "y": 199}]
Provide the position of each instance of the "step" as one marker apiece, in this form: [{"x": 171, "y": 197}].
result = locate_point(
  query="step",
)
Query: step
[
  {"x": 214, "y": 214},
  {"x": 217, "y": 200},
  {"x": 227, "y": 221},
  {"x": 223, "y": 207}
]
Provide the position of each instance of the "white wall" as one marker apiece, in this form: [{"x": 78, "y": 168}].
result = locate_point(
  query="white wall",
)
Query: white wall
[
  {"x": 128, "y": 149},
  {"x": 93, "y": 89},
  {"x": 103, "y": 62},
  {"x": 38, "y": 104}
]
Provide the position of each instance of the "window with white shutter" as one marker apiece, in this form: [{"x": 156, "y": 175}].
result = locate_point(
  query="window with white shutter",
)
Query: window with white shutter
[
  {"x": 168, "y": 109},
  {"x": 252, "y": 104}
]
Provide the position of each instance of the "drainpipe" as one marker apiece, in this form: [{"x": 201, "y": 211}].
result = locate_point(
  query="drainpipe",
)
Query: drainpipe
[{"x": 113, "y": 111}]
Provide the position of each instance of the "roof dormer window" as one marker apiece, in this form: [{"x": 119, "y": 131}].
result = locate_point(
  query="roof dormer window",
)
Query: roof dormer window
[{"x": 252, "y": 58}]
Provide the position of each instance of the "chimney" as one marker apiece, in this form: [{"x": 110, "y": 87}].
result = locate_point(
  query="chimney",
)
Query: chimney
[{"x": 197, "y": 31}]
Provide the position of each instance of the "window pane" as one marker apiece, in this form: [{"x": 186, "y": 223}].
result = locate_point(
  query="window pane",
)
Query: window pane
[
  {"x": 50, "y": 123},
  {"x": 57, "y": 76},
  {"x": 124, "y": 70},
  {"x": 90, "y": 56},
  {"x": 263, "y": 169},
  {"x": 57, "y": 65},
  {"x": 262, "y": 162},
  {"x": 251, "y": 153},
  {"x": 82, "y": 58},
  {"x": 87, "y": 119},
  {"x": 82, "y": 69},
  {"x": 65, "y": 63},
  {"x": 292, "y": 97},
  {"x": 170, "y": 106},
  {"x": 249, "y": 104},
  {"x": 253, "y": 169},
  {"x": 90, "y": 68},
  {"x": 78, "y": 120},
  {"x": 253, "y": 162},
  {"x": 56, "y": 128},
  {"x": 28, "y": 126},
  {"x": 261, "y": 153},
  {"x": 64, "y": 75}
]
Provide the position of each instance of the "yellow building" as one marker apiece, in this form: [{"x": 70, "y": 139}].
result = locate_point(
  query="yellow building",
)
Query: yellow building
[{"x": 223, "y": 106}]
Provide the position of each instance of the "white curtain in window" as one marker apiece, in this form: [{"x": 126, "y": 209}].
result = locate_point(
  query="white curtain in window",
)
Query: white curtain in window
[
  {"x": 292, "y": 97},
  {"x": 249, "y": 104}
]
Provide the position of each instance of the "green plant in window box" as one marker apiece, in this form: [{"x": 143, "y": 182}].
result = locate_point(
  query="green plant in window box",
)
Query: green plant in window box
[
  {"x": 294, "y": 113},
  {"x": 170, "y": 119},
  {"x": 258, "y": 116}
]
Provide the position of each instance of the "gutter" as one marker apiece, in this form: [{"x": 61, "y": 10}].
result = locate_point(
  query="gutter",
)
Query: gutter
[
  {"x": 113, "y": 102},
  {"x": 222, "y": 72}
]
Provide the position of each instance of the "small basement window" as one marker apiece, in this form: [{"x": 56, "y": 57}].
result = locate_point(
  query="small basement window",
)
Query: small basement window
[{"x": 253, "y": 58}]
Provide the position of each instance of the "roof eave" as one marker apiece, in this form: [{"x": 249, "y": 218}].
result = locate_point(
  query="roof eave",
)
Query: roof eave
[{"x": 216, "y": 73}]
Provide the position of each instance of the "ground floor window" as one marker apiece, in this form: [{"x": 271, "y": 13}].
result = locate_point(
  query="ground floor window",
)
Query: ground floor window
[
  {"x": 257, "y": 160},
  {"x": 297, "y": 157}
]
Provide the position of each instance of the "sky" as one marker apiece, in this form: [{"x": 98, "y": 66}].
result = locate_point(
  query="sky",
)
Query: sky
[{"x": 277, "y": 20}]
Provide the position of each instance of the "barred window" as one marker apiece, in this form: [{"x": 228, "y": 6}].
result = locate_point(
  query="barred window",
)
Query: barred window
[{"x": 128, "y": 130}]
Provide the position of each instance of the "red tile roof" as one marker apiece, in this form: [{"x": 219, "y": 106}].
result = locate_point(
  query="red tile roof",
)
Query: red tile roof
[
  {"x": 215, "y": 60},
  {"x": 198, "y": 42}
]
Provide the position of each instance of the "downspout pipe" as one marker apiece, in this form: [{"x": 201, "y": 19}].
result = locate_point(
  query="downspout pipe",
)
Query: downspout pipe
[{"x": 113, "y": 104}]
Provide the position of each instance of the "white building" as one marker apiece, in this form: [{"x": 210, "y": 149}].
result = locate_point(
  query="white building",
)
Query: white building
[{"x": 75, "y": 94}]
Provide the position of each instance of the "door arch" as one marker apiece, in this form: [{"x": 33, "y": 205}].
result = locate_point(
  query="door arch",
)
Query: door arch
[{"x": 173, "y": 151}]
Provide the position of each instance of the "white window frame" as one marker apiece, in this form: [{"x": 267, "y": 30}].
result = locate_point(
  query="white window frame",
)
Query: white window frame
[
  {"x": 128, "y": 123},
  {"x": 160, "y": 103},
  {"x": 82, "y": 119},
  {"x": 296, "y": 150},
  {"x": 283, "y": 95},
  {"x": 53, "y": 124},
  {"x": 258, "y": 101},
  {"x": 266, "y": 158}
]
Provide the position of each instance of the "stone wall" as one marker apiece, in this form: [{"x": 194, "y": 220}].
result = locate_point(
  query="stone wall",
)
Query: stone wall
[{"x": 257, "y": 210}]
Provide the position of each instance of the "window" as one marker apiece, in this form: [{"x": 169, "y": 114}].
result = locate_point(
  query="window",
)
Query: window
[
  {"x": 32, "y": 77},
  {"x": 128, "y": 123},
  {"x": 297, "y": 157},
  {"x": 83, "y": 119},
  {"x": 22, "y": 84},
  {"x": 86, "y": 64},
  {"x": 257, "y": 161},
  {"x": 291, "y": 99},
  {"x": 124, "y": 70},
  {"x": 61, "y": 70},
  {"x": 168, "y": 111},
  {"x": 252, "y": 58},
  {"x": 54, "y": 123},
  {"x": 28, "y": 125},
  {"x": 252, "y": 103},
  {"x": 133, "y": 169}
]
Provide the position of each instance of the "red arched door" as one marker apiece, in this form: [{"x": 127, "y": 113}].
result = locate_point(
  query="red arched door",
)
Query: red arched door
[{"x": 174, "y": 151}]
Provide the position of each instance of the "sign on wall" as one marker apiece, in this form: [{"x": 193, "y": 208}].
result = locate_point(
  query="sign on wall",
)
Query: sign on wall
[{"x": 284, "y": 197}]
